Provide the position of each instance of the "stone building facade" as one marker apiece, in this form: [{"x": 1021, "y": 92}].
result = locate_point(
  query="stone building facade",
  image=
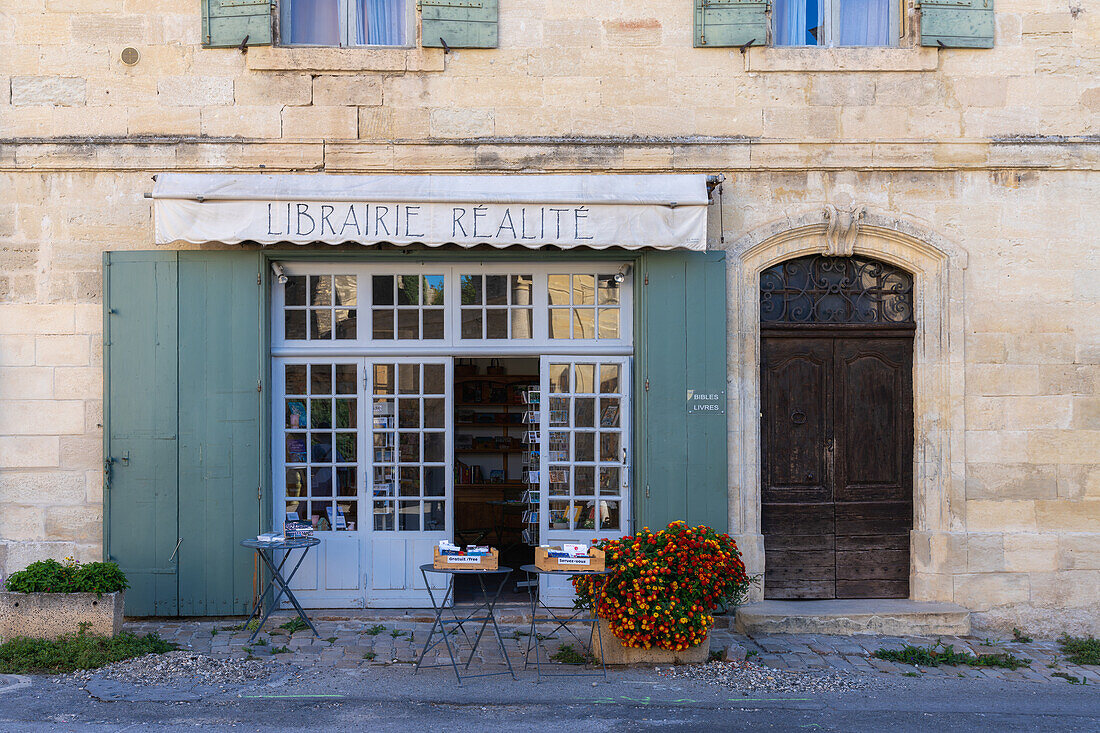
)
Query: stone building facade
[{"x": 974, "y": 169}]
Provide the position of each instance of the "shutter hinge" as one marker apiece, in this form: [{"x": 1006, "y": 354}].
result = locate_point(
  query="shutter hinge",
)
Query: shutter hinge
[
  {"x": 260, "y": 493},
  {"x": 647, "y": 384},
  {"x": 647, "y": 491},
  {"x": 258, "y": 282},
  {"x": 259, "y": 385},
  {"x": 646, "y": 279}
]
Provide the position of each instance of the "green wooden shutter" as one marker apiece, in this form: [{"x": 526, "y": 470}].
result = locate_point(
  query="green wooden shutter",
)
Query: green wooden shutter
[
  {"x": 139, "y": 435},
  {"x": 221, "y": 476},
  {"x": 957, "y": 23},
  {"x": 458, "y": 23},
  {"x": 681, "y": 346},
  {"x": 731, "y": 23},
  {"x": 226, "y": 23}
]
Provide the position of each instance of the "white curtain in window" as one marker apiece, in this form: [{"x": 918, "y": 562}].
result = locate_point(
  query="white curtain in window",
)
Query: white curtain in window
[
  {"x": 864, "y": 23},
  {"x": 382, "y": 22},
  {"x": 793, "y": 19},
  {"x": 312, "y": 22}
]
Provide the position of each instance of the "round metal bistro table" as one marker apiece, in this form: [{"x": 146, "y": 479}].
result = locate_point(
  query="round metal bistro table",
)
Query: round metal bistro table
[
  {"x": 266, "y": 551},
  {"x": 488, "y": 604},
  {"x": 562, "y": 622}
]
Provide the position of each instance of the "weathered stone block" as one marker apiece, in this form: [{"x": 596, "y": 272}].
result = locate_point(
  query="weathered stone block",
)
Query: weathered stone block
[
  {"x": 35, "y": 383},
  {"x": 48, "y": 90},
  {"x": 320, "y": 122},
  {"x": 42, "y": 487},
  {"x": 1078, "y": 551},
  {"x": 1082, "y": 515},
  {"x": 194, "y": 91},
  {"x": 50, "y": 615},
  {"x": 335, "y": 91},
  {"x": 264, "y": 89},
  {"x": 18, "y": 522},
  {"x": 24, "y": 451},
  {"x": 62, "y": 350},
  {"x": 984, "y": 591},
  {"x": 81, "y": 524},
  {"x": 1030, "y": 552},
  {"x": 1000, "y": 516}
]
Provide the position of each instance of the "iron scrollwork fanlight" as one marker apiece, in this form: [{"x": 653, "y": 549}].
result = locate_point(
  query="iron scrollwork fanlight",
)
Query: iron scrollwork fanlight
[{"x": 823, "y": 289}]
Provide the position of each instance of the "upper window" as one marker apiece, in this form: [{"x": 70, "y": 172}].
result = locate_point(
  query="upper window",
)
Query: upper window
[
  {"x": 344, "y": 22},
  {"x": 835, "y": 22}
]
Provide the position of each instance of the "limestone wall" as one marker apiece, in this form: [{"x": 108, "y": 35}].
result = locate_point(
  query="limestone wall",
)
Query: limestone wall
[{"x": 989, "y": 154}]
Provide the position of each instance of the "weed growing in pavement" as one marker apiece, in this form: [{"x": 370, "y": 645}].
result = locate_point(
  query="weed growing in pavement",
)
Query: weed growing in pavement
[
  {"x": 396, "y": 633},
  {"x": 214, "y": 631},
  {"x": 375, "y": 630},
  {"x": 1020, "y": 637},
  {"x": 253, "y": 624},
  {"x": 369, "y": 656},
  {"x": 75, "y": 651},
  {"x": 1070, "y": 678},
  {"x": 1080, "y": 649},
  {"x": 714, "y": 656},
  {"x": 566, "y": 654},
  {"x": 294, "y": 625},
  {"x": 934, "y": 656},
  {"x": 331, "y": 640},
  {"x": 280, "y": 650},
  {"x": 261, "y": 641},
  {"x": 910, "y": 674},
  {"x": 751, "y": 653}
]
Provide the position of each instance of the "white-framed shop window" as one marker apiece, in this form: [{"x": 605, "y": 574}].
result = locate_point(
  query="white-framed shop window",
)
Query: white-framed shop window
[
  {"x": 345, "y": 22},
  {"x": 496, "y": 306},
  {"x": 835, "y": 22},
  {"x": 584, "y": 306}
]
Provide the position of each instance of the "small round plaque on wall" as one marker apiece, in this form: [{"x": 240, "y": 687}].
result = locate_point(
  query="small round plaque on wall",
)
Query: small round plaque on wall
[{"x": 130, "y": 56}]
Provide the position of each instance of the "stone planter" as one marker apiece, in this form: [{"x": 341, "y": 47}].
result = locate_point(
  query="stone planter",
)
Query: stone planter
[
  {"x": 615, "y": 653},
  {"x": 49, "y": 615}
]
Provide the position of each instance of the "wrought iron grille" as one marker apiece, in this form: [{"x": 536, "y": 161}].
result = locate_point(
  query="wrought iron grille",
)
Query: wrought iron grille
[{"x": 821, "y": 289}]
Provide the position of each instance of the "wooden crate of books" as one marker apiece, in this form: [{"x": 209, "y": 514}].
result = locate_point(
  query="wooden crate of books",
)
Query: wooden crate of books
[
  {"x": 467, "y": 562},
  {"x": 594, "y": 561}
]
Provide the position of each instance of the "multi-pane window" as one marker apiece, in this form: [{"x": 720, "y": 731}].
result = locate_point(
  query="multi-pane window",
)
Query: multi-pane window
[
  {"x": 319, "y": 307},
  {"x": 583, "y": 306},
  {"x": 343, "y": 22},
  {"x": 409, "y": 417},
  {"x": 835, "y": 22},
  {"x": 585, "y": 455},
  {"x": 496, "y": 306},
  {"x": 321, "y": 434},
  {"x": 407, "y": 307}
]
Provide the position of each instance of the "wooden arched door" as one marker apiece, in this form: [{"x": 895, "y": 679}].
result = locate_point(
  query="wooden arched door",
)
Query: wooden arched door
[{"x": 836, "y": 428}]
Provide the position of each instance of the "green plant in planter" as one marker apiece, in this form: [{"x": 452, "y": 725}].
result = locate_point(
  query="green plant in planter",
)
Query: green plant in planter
[{"x": 50, "y": 576}]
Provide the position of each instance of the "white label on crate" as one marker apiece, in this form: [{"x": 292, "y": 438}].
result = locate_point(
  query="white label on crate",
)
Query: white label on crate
[
  {"x": 462, "y": 559},
  {"x": 574, "y": 561}
]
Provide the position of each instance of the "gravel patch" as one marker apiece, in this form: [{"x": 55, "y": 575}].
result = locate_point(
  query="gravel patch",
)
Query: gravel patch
[
  {"x": 181, "y": 667},
  {"x": 755, "y": 677}
]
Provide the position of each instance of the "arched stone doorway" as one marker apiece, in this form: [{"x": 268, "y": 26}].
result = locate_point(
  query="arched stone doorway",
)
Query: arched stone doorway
[{"x": 836, "y": 376}]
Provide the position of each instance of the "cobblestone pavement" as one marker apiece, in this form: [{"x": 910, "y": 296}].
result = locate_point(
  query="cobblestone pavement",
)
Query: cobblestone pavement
[{"x": 353, "y": 641}]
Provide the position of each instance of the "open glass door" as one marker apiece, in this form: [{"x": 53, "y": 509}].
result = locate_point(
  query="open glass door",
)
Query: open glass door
[
  {"x": 411, "y": 486},
  {"x": 584, "y": 443}
]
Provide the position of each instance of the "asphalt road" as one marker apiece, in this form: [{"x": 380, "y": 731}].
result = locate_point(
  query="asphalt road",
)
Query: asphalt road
[{"x": 393, "y": 699}]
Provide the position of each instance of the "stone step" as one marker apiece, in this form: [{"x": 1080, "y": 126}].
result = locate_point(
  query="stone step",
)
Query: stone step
[{"x": 893, "y": 617}]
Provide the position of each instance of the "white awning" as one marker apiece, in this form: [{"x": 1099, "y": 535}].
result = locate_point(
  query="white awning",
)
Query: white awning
[{"x": 598, "y": 211}]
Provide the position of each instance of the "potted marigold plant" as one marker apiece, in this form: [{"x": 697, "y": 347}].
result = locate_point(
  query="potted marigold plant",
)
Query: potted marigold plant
[
  {"x": 49, "y": 599},
  {"x": 657, "y": 604}
]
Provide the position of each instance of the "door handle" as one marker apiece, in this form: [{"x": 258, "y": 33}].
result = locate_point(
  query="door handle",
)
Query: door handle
[{"x": 173, "y": 555}]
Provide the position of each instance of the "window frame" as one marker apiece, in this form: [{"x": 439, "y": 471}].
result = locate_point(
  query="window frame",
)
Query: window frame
[
  {"x": 348, "y": 16},
  {"x": 830, "y": 16}
]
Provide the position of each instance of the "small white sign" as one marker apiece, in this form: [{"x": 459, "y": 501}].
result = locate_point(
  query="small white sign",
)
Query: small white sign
[
  {"x": 461, "y": 559},
  {"x": 574, "y": 561}
]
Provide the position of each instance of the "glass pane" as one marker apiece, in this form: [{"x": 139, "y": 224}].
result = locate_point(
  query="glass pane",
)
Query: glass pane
[
  {"x": 584, "y": 515},
  {"x": 383, "y": 448},
  {"x": 345, "y": 448},
  {"x": 320, "y": 325},
  {"x": 320, "y": 447},
  {"x": 584, "y": 446},
  {"x": 796, "y": 22},
  {"x": 383, "y": 481},
  {"x": 295, "y": 325},
  {"x": 471, "y": 323},
  {"x": 496, "y": 323},
  {"x": 383, "y": 516},
  {"x": 409, "y": 444},
  {"x": 433, "y": 290},
  {"x": 320, "y": 412},
  {"x": 435, "y": 481},
  {"x": 298, "y": 508},
  {"x": 609, "y": 323},
  {"x": 521, "y": 323},
  {"x": 408, "y": 516},
  {"x": 408, "y": 378},
  {"x": 345, "y": 482},
  {"x": 318, "y": 511},
  {"x": 320, "y": 290},
  {"x": 609, "y": 515},
  {"x": 410, "y": 481},
  {"x": 584, "y": 412},
  {"x": 496, "y": 290},
  {"x": 584, "y": 290},
  {"x": 559, "y": 377},
  {"x": 408, "y": 323},
  {"x": 558, "y": 480},
  {"x": 382, "y": 290},
  {"x": 470, "y": 288},
  {"x": 345, "y": 379},
  {"x": 434, "y": 413},
  {"x": 558, "y": 289},
  {"x": 296, "y": 482},
  {"x": 585, "y": 378},
  {"x": 435, "y": 376},
  {"x": 296, "y": 414},
  {"x": 609, "y": 412},
  {"x": 609, "y": 481},
  {"x": 320, "y": 379},
  {"x": 584, "y": 480},
  {"x": 295, "y": 447},
  {"x": 609, "y": 378},
  {"x": 408, "y": 413},
  {"x": 609, "y": 447},
  {"x": 521, "y": 289},
  {"x": 295, "y": 379},
  {"x": 320, "y": 481},
  {"x": 433, "y": 323},
  {"x": 383, "y": 379},
  {"x": 345, "y": 290},
  {"x": 434, "y": 516},
  {"x": 294, "y": 292},
  {"x": 345, "y": 324},
  {"x": 381, "y": 324},
  {"x": 559, "y": 323},
  {"x": 584, "y": 323},
  {"x": 347, "y": 511},
  {"x": 609, "y": 290},
  {"x": 559, "y": 411},
  {"x": 434, "y": 447},
  {"x": 408, "y": 290},
  {"x": 559, "y": 515}
]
